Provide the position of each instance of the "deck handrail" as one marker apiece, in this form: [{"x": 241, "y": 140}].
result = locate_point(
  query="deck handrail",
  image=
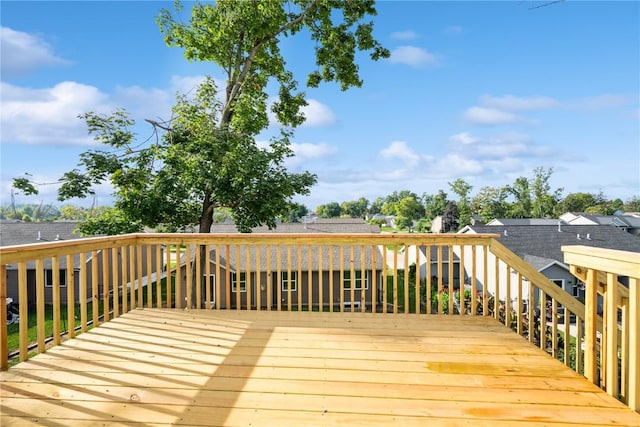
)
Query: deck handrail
[
  {"x": 457, "y": 274},
  {"x": 618, "y": 353}
]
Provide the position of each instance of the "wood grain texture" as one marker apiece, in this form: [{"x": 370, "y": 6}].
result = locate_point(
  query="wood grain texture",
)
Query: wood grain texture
[{"x": 158, "y": 367}]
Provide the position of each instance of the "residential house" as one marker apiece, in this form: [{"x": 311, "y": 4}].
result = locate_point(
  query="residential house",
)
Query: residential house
[
  {"x": 271, "y": 272},
  {"x": 627, "y": 222},
  {"x": 540, "y": 246},
  {"x": 21, "y": 233}
]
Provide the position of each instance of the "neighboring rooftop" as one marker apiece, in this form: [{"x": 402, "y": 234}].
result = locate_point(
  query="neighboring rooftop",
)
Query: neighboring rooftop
[
  {"x": 21, "y": 233},
  {"x": 545, "y": 241},
  {"x": 315, "y": 225}
]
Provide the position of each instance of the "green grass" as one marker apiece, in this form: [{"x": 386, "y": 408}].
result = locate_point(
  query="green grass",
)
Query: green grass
[{"x": 13, "y": 331}]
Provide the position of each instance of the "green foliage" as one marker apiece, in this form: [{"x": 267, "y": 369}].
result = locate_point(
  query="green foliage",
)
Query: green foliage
[{"x": 330, "y": 210}]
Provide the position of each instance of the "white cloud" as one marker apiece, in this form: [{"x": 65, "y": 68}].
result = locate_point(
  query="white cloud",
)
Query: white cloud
[
  {"x": 401, "y": 151},
  {"x": 50, "y": 115},
  {"x": 22, "y": 53},
  {"x": 305, "y": 152},
  {"x": 489, "y": 116},
  {"x": 404, "y": 35},
  {"x": 308, "y": 151},
  {"x": 464, "y": 138},
  {"x": 413, "y": 56},
  {"x": 514, "y": 103},
  {"x": 317, "y": 114}
]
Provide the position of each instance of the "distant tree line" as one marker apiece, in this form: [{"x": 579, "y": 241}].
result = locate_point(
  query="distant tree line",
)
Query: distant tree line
[{"x": 524, "y": 198}]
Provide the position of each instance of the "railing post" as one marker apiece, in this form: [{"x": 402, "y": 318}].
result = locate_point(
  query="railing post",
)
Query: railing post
[
  {"x": 4, "y": 344},
  {"x": 634, "y": 344},
  {"x": 611, "y": 307},
  {"x": 591, "y": 314}
]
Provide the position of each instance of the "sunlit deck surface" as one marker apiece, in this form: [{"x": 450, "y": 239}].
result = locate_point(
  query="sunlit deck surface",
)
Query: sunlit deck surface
[{"x": 157, "y": 367}]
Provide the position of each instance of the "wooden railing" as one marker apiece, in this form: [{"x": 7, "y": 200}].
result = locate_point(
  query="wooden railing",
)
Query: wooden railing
[
  {"x": 72, "y": 286},
  {"x": 612, "y": 353}
]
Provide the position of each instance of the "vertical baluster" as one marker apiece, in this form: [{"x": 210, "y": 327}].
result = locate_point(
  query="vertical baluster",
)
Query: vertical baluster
[
  {"x": 452, "y": 297},
  {"x": 507, "y": 297},
  {"x": 567, "y": 337},
  {"x": 427, "y": 251},
  {"x": 341, "y": 283},
  {"x": 385, "y": 280},
  {"x": 633, "y": 312},
  {"x": 158, "y": 269},
  {"x": 197, "y": 282},
  {"x": 269, "y": 278},
  {"x": 418, "y": 279},
  {"x": 531, "y": 307},
  {"x": 554, "y": 328},
  {"x": 217, "y": 279},
  {"x": 247, "y": 275},
  {"x": 258, "y": 252},
  {"x": 188, "y": 274},
  {"x": 95, "y": 300},
  {"x": 138, "y": 248},
  {"x": 133, "y": 302},
  {"x": 405, "y": 282},
  {"x": 440, "y": 285},
  {"x": 496, "y": 298},
  {"x": 611, "y": 343},
  {"x": 238, "y": 275},
  {"x": 83, "y": 291},
  {"x": 147, "y": 263},
  {"x": 168, "y": 281},
  {"x": 39, "y": 304},
  {"x": 319, "y": 254},
  {"x": 374, "y": 278},
  {"x": 4, "y": 344},
  {"x": 23, "y": 307},
  {"x": 104, "y": 258},
  {"x": 461, "y": 276},
  {"x": 485, "y": 280},
  {"x": 178, "y": 294},
  {"x": 299, "y": 276},
  {"x": 279, "y": 277},
  {"x": 115, "y": 282},
  {"x": 520, "y": 307},
  {"x": 591, "y": 315},
  {"x": 55, "y": 299},
  {"x": 331, "y": 279},
  {"x": 309, "y": 278}
]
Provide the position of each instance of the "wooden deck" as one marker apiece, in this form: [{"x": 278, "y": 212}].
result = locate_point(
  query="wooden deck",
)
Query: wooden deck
[{"x": 157, "y": 367}]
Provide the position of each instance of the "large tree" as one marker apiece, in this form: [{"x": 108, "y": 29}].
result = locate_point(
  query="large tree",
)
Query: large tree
[{"x": 207, "y": 157}]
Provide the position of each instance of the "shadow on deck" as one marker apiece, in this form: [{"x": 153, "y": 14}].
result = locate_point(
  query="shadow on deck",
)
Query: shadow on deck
[{"x": 157, "y": 367}]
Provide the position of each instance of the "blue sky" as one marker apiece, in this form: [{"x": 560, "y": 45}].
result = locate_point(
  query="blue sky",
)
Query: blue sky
[{"x": 483, "y": 91}]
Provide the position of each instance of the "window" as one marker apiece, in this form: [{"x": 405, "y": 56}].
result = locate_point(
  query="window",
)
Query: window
[
  {"x": 48, "y": 278},
  {"x": 558, "y": 282},
  {"x": 576, "y": 287},
  {"x": 243, "y": 281},
  {"x": 357, "y": 281},
  {"x": 289, "y": 283},
  {"x": 211, "y": 284}
]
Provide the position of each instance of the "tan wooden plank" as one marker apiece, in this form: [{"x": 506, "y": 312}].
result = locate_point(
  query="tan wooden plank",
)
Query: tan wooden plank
[
  {"x": 309, "y": 407},
  {"x": 204, "y": 367}
]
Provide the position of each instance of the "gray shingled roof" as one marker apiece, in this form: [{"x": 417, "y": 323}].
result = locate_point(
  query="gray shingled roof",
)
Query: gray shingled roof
[
  {"x": 545, "y": 240},
  {"x": 522, "y": 221},
  {"x": 357, "y": 258},
  {"x": 319, "y": 225},
  {"x": 20, "y": 233}
]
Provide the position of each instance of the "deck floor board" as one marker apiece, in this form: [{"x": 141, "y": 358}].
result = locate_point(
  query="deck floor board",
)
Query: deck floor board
[{"x": 158, "y": 367}]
